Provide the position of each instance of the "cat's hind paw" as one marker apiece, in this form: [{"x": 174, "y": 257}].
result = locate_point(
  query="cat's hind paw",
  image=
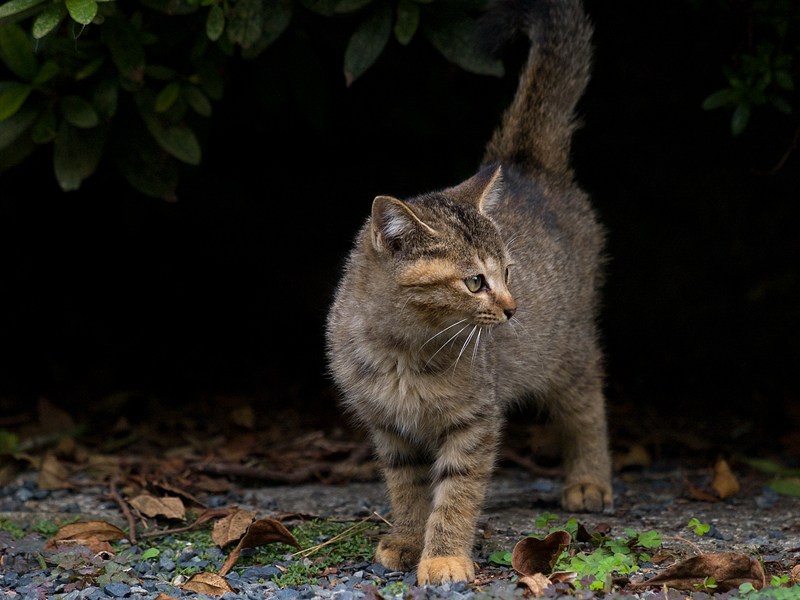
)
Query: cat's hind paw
[
  {"x": 398, "y": 553},
  {"x": 437, "y": 570},
  {"x": 587, "y": 497}
]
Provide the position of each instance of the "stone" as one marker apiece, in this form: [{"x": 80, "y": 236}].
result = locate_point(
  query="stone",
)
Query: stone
[{"x": 117, "y": 589}]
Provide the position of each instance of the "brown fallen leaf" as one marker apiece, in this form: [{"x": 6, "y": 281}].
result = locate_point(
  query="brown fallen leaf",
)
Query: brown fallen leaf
[
  {"x": 724, "y": 483},
  {"x": 53, "y": 475},
  {"x": 86, "y": 530},
  {"x": 151, "y": 506},
  {"x": 531, "y": 555},
  {"x": 637, "y": 456},
  {"x": 212, "y": 484},
  {"x": 533, "y": 586},
  {"x": 260, "y": 533},
  {"x": 208, "y": 583},
  {"x": 697, "y": 493},
  {"x": 94, "y": 544},
  {"x": 584, "y": 535},
  {"x": 794, "y": 575},
  {"x": 729, "y": 569},
  {"x": 231, "y": 528}
]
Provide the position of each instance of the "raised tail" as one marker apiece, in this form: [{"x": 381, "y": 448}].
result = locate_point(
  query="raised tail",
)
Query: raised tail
[{"x": 537, "y": 128}]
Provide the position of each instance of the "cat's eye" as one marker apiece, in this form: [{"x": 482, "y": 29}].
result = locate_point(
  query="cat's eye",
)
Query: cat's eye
[
  {"x": 474, "y": 283},
  {"x": 506, "y": 274}
]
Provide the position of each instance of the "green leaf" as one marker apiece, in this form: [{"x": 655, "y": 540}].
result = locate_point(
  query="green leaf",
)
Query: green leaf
[
  {"x": 726, "y": 97},
  {"x": 453, "y": 34},
  {"x": 124, "y": 42},
  {"x": 326, "y": 8},
  {"x": 12, "y": 98},
  {"x": 82, "y": 11},
  {"x": 346, "y": 6},
  {"x": 106, "y": 96},
  {"x": 367, "y": 42},
  {"x": 784, "y": 79},
  {"x": 197, "y": 100},
  {"x": 48, "y": 70},
  {"x": 277, "y": 16},
  {"x": 179, "y": 141},
  {"x": 90, "y": 68},
  {"x": 16, "y": 6},
  {"x": 215, "y": 23},
  {"x": 782, "y": 104},
  {"x": 407, "y": 21},
  {"x": 741, "y": 115},
  {"x": 151, "y": 553},
  {"x": 12, "y": 127},
  {"x": 76, "y": 154},
  {"x": 45, "y": 128},
  {"x": 48, "y": 20},
  {"x": 167, "y": 96},
  {"x": 500, "y": 558},
  {"x": 79, "y": 112},
  {"x": 145, "y": 165},
  {"x": 765, "y": 465},
  {"x": 786, "y": 487},
  {"x": 17, "y": 53},
  {"x": 245, "y": 22}
]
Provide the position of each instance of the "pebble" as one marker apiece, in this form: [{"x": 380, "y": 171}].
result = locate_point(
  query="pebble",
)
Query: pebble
[{"x": 117, "y": 589}]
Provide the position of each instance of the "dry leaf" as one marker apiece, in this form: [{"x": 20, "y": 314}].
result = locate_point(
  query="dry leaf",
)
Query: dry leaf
[
  {"x": 260, "y": 533},
  {"x": 794, "y": 575},
  {"x": 724, "y": 483},
  {"x": 637, "y": 456},
  {"x": 85, "y": 531},
  {"x": 53, "y": 419},
  {"x": 163, "y": 485},
  {"x": 208, "y": 583},
  {"x": 93, "y": 543},
  {"x": 52, "y": 475},
  {"x": 150, "y": 506},
  {"x": 533, "y": 585},
  {"x": 208, "y": 484},
  {"x": 231, "y": 528},
  {"x": 729, "y": 569},
  {"x": 531, "y": 555},
  {"x": 244, "y": 416},
  {"x": 584, "y": 535}
]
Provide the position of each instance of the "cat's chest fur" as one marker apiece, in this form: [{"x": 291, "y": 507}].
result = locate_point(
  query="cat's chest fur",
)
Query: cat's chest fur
[{"x": 394, "y": 388}]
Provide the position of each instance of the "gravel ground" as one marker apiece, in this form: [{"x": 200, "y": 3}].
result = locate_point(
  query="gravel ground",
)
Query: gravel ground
[{"x": 756, "y": 519}]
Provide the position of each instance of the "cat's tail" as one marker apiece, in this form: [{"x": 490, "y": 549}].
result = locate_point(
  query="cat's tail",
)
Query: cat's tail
[{"x": 537, "y": 128}]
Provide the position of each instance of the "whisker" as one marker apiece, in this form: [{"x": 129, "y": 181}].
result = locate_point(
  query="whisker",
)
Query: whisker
[
  {"x": 441, "y": 332},
  {"x": 475, "y": 349},
  {"x": 466, "y": 343},
  {"x": 521, "y": 324},
  {"x": 448, "y": 341}
]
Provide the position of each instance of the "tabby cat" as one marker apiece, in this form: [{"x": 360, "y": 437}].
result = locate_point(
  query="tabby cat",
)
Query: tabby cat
[{"x": 455, "y": 304}]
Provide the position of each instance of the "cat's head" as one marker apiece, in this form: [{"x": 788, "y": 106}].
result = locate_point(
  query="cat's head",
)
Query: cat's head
[{"x": 444, "y": 254}]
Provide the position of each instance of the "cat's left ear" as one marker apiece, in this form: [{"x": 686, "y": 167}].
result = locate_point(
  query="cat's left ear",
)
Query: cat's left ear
[{"x": 483, "y": 190}]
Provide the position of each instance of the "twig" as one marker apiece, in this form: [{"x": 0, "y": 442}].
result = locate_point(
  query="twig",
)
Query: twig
[
  {"x": 200, "y": 520},
  {"x": 680, "y": 539},
  {"x": 299, "y": 476},
  {"x": 785, "y": 156},
  {"x": 112, "y": 485},
  {"x": 309, "y": 551},
  {"x": 509, "y": 454}
]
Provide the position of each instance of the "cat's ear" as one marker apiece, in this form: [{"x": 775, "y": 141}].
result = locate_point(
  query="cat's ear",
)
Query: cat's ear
[
  {"x": 392, "y": 222},
  {"x": 482, "y": 190}
]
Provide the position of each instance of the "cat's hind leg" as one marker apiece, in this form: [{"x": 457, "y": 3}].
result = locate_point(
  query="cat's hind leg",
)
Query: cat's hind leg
[{"x": 580, "y": 417}]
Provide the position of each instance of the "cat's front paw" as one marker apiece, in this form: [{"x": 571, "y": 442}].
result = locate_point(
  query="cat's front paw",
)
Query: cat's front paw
[
  {"x": 587, "y": 497},
  {"x": 398, "y": 553},
  {"x": 437, "y": 570}
]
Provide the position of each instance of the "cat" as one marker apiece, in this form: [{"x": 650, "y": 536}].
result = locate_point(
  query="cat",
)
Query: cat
[{"x": 455, "y": 304}]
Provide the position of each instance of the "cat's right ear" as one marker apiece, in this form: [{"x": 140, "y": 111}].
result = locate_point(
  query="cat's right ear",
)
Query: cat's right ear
[{"x": 392, "y": 223}]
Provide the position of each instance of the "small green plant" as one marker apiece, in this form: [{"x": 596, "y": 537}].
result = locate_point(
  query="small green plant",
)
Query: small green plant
[
  {"x": 501, "y": 559},
  {"x": 699, "y": 528},
  {"x": 398, "y": 588},
  {"x": 779, "y": 580},
  {"x": 545, "y": 519},
  {"x": 707, "y": 585}
]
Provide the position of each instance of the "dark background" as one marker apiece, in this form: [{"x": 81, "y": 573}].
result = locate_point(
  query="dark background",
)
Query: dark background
[{"x": 224, "y": 293}]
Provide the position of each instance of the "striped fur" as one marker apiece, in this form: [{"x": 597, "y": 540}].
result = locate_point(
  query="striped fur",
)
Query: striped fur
[{"x": 455, "y": 304}]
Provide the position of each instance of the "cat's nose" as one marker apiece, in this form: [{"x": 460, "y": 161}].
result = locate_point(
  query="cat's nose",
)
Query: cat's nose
[{"x": 509, "y": 312}]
